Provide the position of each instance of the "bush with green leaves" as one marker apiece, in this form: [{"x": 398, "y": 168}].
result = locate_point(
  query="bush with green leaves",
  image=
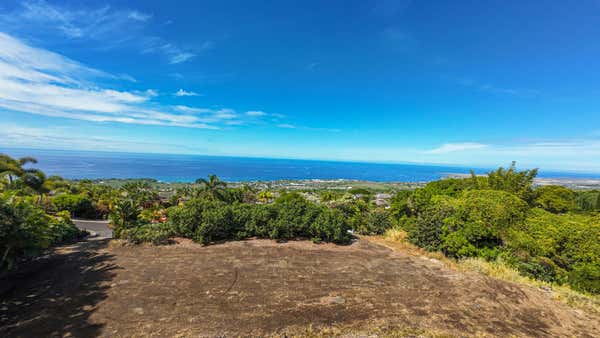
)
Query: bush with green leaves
[
  {"x": 26, "y": 230},
  {"x": 452, "y": 187},
  {"x": 428, "y": 229},
  {"x": 558, "y": 248},
  {"x": 222, "y": 223},
  {"x": 585, "y": 277},
  {"x": 374, "y": 222},
  {"x": 187, "y": 217},
  {"x": 588, "y": 200},
  {"x": 290, "y": 217},
  {"x": 511, "y": 180},
  {"x": 330, "y": 226},
  {"x": 294, "y": 217},
  {"x": 158, "y": 233},
  {"x": 124, "y": 215},
  {"x": 555, "y": 198},
  {"x": 79, "y": 205},
  {"x": 480, "y": 221}
]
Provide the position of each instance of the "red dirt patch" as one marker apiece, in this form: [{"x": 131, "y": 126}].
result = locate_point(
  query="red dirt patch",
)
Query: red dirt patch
[{"x": 261, "y": 287}]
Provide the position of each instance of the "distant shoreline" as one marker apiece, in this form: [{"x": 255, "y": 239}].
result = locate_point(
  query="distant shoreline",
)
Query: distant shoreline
[
  {"x": 340, "y": 184},
  {"x": 181, "y": 168}
]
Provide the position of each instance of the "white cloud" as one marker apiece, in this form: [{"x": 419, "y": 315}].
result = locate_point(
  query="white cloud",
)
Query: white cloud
[
  {"x": 37, "y": 81},
  {"x": 286, "y": 126},
  {"x": 456, "y": 147},
  {"x": 182, "y": 92},
  {"x": 493, "y": 89},
  {"x": 65, "y": 138},
  {"x": 151, "y": 92},
  {"x": 256, "y": 113},
  {"x": 139, "y": 16},
  {"x": 181, "y": 57},
  {"x": 225, "y": 114},
  {"x": 108, "y": 27},
  {"x": 187, "y": 109}
]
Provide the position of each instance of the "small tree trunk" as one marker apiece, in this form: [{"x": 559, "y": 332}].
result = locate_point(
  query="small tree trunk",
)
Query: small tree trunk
[{"x": 4, "y": 256}]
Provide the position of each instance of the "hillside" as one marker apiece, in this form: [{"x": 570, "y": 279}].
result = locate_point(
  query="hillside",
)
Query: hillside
[{"x": 262, "y": 287}]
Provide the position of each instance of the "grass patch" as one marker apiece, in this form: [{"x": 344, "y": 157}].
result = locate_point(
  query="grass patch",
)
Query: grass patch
[
  {"x": 500, "y": 270},
  {"x": 372, "y": 331}
]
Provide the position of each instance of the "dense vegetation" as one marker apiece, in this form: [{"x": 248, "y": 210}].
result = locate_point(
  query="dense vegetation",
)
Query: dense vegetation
[
  {"x": 27, "y": 226},
  {"x": 551, "y": 233}
]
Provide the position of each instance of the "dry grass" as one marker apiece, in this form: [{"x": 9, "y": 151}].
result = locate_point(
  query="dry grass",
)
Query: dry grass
[
  {"x": 395, "y": 239},
  {"x": 373, "y": 331},
  {"x": 500, "y": 270}
]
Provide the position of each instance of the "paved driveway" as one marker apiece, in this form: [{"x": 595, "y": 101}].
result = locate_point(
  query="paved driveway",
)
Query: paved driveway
[{"x": 98, "y": 226}]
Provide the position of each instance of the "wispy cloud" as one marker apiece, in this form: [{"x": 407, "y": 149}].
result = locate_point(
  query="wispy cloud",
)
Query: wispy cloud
[
  {"x": 456, "y": 147},
  {"x": 497, "y": 90},
  {"x": 256, "y": 113},
  {"x": 107, "y": 26},
  {"x": 286, "y": 126},
  {"x": 312, "y": 65},
  {"x": 572, "y": 154},
  {"x": 37, "y": 81},
  {"x": 182, "y": 92},
  {"x": 65, "y": 138},
  {"x": 181, "y": 57},
  {"x": 306, "y": 128},
  {"x": 139, "y": 16}
]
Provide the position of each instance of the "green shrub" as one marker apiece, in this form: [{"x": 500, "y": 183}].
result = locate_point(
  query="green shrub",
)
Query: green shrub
[
  {"x": 330, "y": 226},
  {"x": 588, "y": 200},
  {"x": 542, "y": 268},
  {"x": 481, "y": 220},
  {"x": 294, "y": 218},
  {"x": 429, "y": 227},
  {"x": 449, "y": 186},
  {"x": 519, "y": 183},
  {"x": 225, "y": 222},
  {"x": 569, "y": 241},
  {"x": 26, "y": 230},
  {"x": 124, "y": 215},
  {"x": 78, "y": 205},
  {"x": 259, "y": 220},
  {"x": 375, "y": 222},
  {"x": 556, "y": 199},
  {"x": 62, "y": 228},
  {"x": 148, "y": 233},
  {"x": 586, "y": 277},
  {"x": 185, "y": 219}
]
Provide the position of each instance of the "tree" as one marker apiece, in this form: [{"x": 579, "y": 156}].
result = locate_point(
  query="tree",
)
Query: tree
[
  {"x": 480, "y": 222},
  {"x": 327, "y": 196},
  {"x": 516, "y": 182},
  {"x": 213, "y": 186},
  {"x": 555, "y": 198},
  {"x": 124, "y": 215},
  {"x": 11, "y": 167},
  {"x": 36, "y": 180},
  {"x": 141, "y": 192}
]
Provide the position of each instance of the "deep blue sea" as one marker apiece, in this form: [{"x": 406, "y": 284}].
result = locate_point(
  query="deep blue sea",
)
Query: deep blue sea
[{"x": 187, "y": 168}]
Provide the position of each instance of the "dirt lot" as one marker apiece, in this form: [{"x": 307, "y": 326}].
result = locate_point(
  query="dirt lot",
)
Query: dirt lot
[{"x": 260, "y": 287}]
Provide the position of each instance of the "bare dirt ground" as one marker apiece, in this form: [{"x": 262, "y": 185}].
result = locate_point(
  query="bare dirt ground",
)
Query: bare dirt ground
[{"x": 259, "y": 287}]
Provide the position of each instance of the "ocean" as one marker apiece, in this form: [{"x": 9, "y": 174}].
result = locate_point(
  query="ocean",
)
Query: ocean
[{"x": 187, "y": 168}]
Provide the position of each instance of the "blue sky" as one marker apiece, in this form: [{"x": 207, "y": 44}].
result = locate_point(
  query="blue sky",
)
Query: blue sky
[{"x": 475, "y": 83}]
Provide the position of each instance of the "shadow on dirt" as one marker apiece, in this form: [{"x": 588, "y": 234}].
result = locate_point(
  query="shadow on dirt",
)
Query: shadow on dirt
[{"x": 58, "y": 299}]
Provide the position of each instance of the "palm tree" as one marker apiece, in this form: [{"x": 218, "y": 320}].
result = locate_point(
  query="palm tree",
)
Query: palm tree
[
  {"x": 11, "y": 167},
  {"x": 213, "y": 186},
  {"x": 36, "y": 180}
]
